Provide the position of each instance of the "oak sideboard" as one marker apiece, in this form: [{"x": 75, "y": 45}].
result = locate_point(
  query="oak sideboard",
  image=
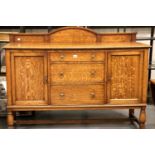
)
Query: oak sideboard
[{"x": 74, "y": 68}]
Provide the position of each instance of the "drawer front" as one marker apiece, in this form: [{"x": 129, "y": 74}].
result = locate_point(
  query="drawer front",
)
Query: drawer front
[
  {"x": 78, "y": 95},
  {"x": 70, "y": 73},
  {"x": 77, "y": 56}
]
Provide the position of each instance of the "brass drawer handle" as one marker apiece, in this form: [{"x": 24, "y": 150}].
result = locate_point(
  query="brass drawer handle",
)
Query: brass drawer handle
[
  {"x": 92, "y": 73},
  {"x": 75, "y": 56},
  {"x": 61, "y": 74},
  {"x": 62, "y": 56},
  {"x": 18, "y": 39},
  {"x": 93, "y": 56},
  {"x": 62, "y": 95},
  {"x": 92, "y": 95}
]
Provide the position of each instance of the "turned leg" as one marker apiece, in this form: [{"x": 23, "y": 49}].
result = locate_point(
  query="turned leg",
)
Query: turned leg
[
  {"x": 131, "y": 113},
  {"x": 10, "y": 119},
  {"x": 142, "y": 118}
]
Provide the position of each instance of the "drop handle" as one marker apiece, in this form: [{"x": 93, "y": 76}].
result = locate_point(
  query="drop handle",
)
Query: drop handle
[
  {"x": 62, "y": 56},
  {"x": 93, "y": 56},
  {"x": 92, "y": 95},
  {"x": 61, "y": 74},
  {"x": 62, "y": 94},
  {"x": 92, "y": 73}
]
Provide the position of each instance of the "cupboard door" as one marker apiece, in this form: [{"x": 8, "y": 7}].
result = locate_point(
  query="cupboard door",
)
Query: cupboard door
[
  {"x": 125, "y": 76},
  {"x": 29, "y": 78}
]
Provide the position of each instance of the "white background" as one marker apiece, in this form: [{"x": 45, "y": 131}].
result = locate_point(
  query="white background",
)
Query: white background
[
  {"x": 77, "y": 142},
  {"x": 77, "y": 13}
]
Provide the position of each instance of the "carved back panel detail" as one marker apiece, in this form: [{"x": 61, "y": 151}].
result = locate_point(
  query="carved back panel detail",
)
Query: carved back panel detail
[
  {"x": 73, "y": 35},
  {"x": 122, "y": 37}
]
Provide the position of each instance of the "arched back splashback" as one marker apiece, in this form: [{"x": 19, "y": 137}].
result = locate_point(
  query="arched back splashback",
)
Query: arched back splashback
[{"x": 72, "y": 35}]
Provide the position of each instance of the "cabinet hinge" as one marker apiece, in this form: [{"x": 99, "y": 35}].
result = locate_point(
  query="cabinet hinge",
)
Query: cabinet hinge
[{"x": 45, "y": 80}]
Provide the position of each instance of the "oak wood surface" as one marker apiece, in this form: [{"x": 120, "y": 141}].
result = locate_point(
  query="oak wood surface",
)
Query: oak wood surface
[
  {"x": 78, "y": 94},
  {"x": 111, "y": 45},
  {"x": 125, "y": 75},
  {"x": 145, "y": 76},
  {"x": 66, "y": 73},
  {"x": 75, "y": 107},
  {"x": 28, "y": 73},
  {"x": 73, "y": 35},
  {"x": 77, "y": 55},
  {"x": 4, "y": 36}
]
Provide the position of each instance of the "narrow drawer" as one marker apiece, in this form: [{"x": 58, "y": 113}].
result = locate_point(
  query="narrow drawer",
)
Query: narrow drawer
[
  {"x": 71, "y": 73},
  {"x": 77, "y": 56},
  {"x": 78, "y": 95}
]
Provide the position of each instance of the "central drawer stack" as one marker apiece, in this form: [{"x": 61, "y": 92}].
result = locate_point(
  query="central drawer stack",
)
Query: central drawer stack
[{"x": 77, "y": 77}]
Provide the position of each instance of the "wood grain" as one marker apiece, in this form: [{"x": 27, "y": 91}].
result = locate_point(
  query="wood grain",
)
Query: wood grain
[
  {"x": 145, "y": 76},
  {"x": 76, "y": 73},
  {"x": 73, "y": 36},
  {"x": 116, "y": 38},
  {"x": 76, "y": 107},
  {"x": 4, "y": 36},
  {"x": 28, "y": 72},
  {"x": 77, "y": 94},
  {"x": 64, "y": 46},
  {"x": 77, "y": 55},
  {"x": 142, "y": 117},
  {"x": 125, "y": 75}
]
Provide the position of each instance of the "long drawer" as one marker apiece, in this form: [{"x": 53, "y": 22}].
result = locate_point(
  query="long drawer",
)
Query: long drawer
[
  {"x": 70, "y": 73},
  {"x": 78, "y": 95},
  {"x": 77, "y": 55}
]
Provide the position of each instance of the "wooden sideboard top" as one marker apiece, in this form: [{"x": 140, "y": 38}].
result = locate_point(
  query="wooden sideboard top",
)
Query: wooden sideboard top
[{"x": 75, "y": 46}]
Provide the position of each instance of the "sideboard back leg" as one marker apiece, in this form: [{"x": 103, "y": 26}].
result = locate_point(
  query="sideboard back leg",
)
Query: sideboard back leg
[
  {"x": 131, "y": 113},
  {"x": 142, "y": 118},
  {"x": 10, "y": 119}
]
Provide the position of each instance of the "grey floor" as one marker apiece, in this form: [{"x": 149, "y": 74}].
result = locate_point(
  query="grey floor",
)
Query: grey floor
[{"x": 112, "y": 119}]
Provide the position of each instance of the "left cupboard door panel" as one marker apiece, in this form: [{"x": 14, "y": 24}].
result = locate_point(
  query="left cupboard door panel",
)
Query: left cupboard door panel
[{"x": 29, "y": 78}]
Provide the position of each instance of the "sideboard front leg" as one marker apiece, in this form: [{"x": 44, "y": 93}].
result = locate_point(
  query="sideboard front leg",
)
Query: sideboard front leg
[
  {"x": 10, "y": 119},
  {"x": 142, "y": 118},
  {"x": 131, "y": 113}
]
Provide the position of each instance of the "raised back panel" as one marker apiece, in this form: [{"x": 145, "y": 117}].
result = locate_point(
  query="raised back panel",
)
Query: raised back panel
[
  {"x": 118, "y": 37},
  {"x": 73, "y": 35},
  {"x": 4, "y": 37},
  {"x": 28, "y": 38}
]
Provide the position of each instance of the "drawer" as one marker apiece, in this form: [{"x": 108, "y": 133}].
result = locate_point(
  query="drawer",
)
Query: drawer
[
  {"x": 70, "y": 73},
  {"x": 78, "y": 95},
  {"x": 77, "y": 56}
]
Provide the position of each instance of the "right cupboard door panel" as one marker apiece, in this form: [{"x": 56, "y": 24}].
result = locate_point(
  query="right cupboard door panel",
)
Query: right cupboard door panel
[{"x": 124, "y": 76}]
